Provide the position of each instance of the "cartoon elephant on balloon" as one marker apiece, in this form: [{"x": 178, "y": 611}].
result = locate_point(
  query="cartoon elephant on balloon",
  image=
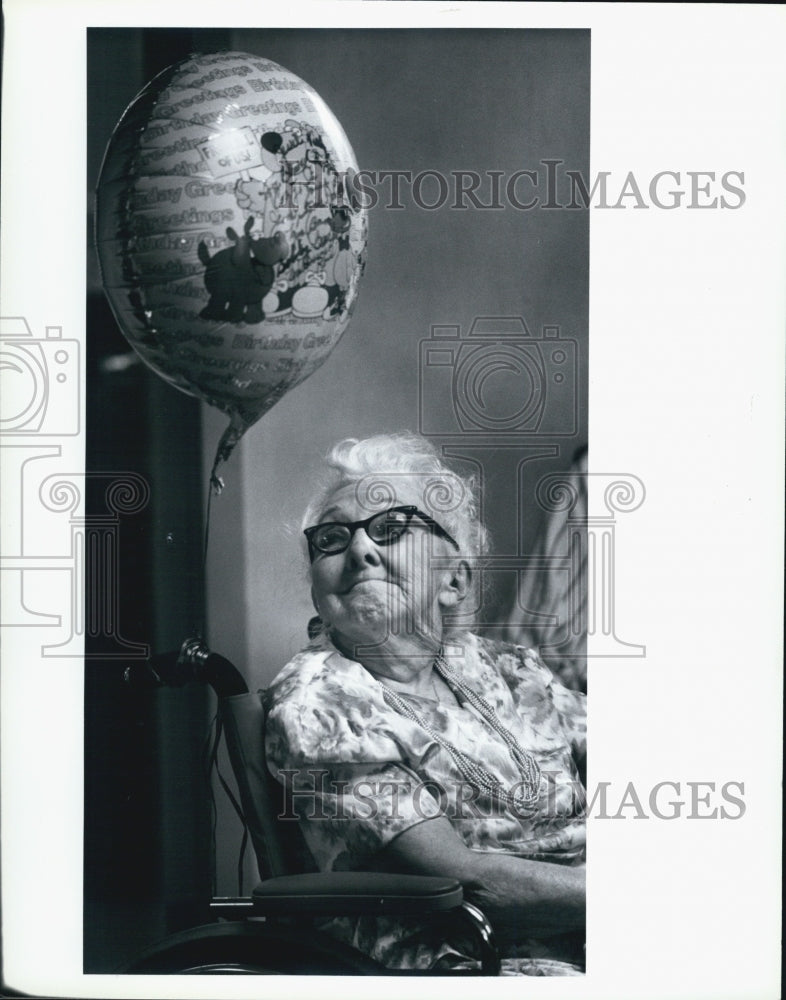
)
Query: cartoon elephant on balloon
[{"x": 240, "y": 276}]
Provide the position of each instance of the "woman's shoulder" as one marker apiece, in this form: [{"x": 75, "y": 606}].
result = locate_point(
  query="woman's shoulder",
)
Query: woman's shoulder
[
  {"x": 321, "y": 688},
  {"x": 306, "y": 664},
  {"x": 531, "y": 683},
  {"x": 324, "y": 707},
  {"x": 513, "y": 663},
  {"x": 316, "y": 672}
]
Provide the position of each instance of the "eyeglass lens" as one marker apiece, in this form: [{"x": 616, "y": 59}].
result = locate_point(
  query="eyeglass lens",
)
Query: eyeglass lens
[{"x": 383, "y": 528}]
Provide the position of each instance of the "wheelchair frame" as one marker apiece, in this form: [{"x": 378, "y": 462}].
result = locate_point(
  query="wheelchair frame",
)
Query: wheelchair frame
[{"x": 271, "y": 932}]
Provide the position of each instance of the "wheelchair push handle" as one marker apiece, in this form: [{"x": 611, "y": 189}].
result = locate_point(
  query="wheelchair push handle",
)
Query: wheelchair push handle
[{"x": 192, "y": 662}]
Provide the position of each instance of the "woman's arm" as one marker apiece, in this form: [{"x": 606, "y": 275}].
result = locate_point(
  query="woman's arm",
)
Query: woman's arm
[{"x": 518, "y": 896}]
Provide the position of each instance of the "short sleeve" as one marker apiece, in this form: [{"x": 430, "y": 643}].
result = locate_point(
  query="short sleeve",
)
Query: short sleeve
[{"x": 344, "y": 781}]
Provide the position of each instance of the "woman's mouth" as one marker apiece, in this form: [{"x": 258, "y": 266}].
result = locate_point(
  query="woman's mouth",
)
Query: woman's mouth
[{"x": 360, "y": 581}]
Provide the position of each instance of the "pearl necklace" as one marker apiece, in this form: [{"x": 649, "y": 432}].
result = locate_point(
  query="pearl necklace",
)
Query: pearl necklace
[{"x": 524, "y": 794}]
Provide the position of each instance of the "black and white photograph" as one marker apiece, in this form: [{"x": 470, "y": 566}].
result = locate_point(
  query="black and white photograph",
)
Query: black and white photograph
[
  {"x": 392, "y": 499},
  {"x": 396, "y": 694}
]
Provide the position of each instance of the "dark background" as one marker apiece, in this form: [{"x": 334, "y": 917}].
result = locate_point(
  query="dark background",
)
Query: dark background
[{"x": 412, "y": 100}]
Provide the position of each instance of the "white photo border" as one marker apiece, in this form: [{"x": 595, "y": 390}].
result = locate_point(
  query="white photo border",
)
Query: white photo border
[{"x": 687, "y": 312}]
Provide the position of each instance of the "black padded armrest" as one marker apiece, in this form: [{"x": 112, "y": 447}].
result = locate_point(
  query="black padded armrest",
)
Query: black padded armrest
[{"x": 325, "y": 894}]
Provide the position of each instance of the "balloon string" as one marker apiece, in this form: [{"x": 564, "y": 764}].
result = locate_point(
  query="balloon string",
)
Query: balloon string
[
  {"x": 208, "y": 509},
  {"x": 215, "y": 486},
  {"x": 211, "y": 490},
  {"x": 200, "y": 631},
  {"x": 216, "y": 482},
  {"x": 229, "y": 439}
]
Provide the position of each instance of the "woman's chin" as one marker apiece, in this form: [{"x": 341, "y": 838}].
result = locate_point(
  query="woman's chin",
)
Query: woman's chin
[{"x": 368, "y": 616}]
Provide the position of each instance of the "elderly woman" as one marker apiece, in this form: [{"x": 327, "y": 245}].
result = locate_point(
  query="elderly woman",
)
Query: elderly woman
[{"x": 416, "y": 745}]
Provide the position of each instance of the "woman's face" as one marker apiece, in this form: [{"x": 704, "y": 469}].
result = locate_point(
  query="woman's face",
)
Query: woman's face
[{"x": 370, "y": 592}]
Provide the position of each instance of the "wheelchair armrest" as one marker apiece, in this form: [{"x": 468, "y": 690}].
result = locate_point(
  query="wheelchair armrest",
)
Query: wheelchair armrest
[
  {"x": 333, "y": 894},
  {"x": 325, "y": 894}
]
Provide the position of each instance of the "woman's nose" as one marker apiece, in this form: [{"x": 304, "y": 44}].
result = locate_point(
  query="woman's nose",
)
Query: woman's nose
[{"x": 362, "y": 549}]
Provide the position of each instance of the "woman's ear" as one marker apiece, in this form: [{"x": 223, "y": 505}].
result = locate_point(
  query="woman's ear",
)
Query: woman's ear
[{"x": 455, "y": 585}]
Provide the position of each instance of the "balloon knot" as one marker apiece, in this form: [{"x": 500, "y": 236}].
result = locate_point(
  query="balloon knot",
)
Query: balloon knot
[{"x": 217, "y": 484}]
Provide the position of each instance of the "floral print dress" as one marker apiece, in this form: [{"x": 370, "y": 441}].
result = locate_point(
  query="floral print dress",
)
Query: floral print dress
[{"x": 360, "y": 773}]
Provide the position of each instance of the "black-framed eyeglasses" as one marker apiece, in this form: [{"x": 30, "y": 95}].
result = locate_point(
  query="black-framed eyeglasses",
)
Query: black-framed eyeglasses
[{"x": 383, "y": 528}]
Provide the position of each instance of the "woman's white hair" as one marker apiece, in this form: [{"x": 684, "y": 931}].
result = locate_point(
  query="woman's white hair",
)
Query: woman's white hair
[{"x": 377, "y": 465}]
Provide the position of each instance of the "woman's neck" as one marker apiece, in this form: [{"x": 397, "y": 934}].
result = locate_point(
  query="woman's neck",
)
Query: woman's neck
[{"x": 402, "y": 662}]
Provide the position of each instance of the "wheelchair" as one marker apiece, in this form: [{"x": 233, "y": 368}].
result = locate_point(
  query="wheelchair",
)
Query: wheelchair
[{"x": 275, "y": 931}]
